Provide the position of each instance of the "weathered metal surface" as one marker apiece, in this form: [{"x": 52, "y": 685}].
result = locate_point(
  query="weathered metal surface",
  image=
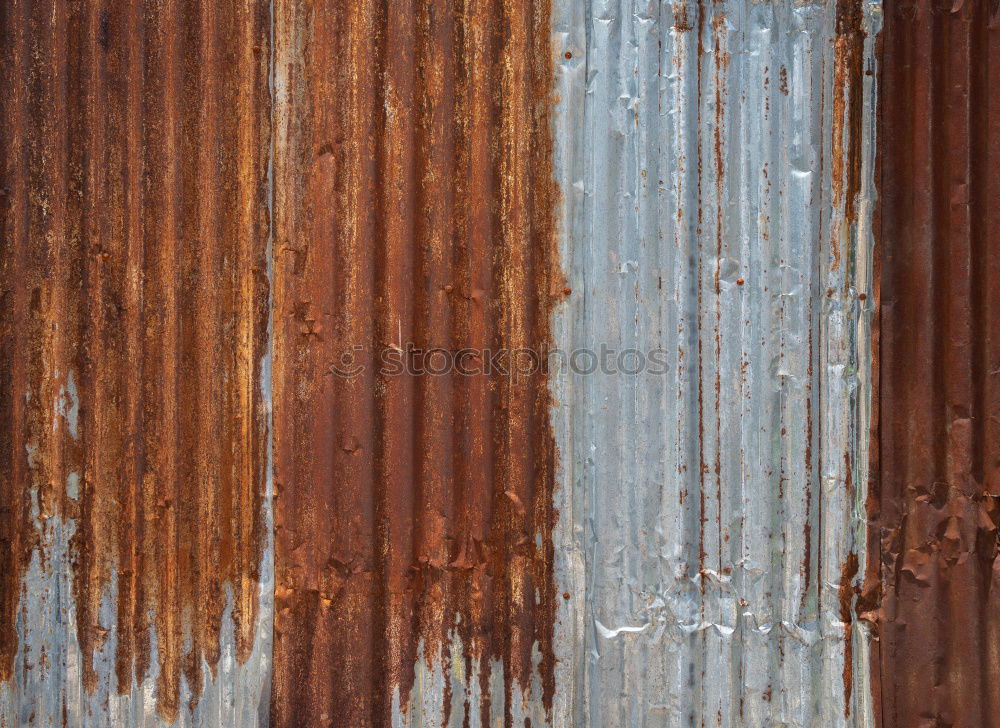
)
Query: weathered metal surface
[
  {"x": 413, "y": 512},
  {"x": 715, "y": 160},
  {"x": 934, "y": 504},
  {"x": 681, "y": 547},
  {"x": 133, "y": 330}
]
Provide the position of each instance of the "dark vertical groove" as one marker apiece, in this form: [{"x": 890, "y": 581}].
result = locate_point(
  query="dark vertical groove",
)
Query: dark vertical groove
[
  {"x": 936, "y": 307},
  {"x": 170, "y": 246},
  {"x": 381, "y": 647},
  {"x": 977, "y": 182},
  {"x": 462, "y": 402}
]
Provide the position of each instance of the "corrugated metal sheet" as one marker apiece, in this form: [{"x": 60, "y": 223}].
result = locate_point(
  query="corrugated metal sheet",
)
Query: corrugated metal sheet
[
  {"x": 687, "y": 181},
  {"x": 935, "y": 507},
  {"x": 133, "y": 330},
  {"x": 716, "y": 163},
  {"x": 413, "y": 513}
]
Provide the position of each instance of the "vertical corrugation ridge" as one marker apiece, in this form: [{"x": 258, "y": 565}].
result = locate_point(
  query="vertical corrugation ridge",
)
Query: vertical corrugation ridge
[
  {"x": 935, "y": 516},
  {"x": 134, "y": 325},
  {"x": 414, "y": 221}
]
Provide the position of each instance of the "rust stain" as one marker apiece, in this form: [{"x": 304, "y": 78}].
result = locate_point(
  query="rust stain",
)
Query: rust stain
[
  {"x": 134, "y": 319},
  {"x": 414, "y": 199},
  {"x": 934, "y": 510},
  {"x": 681, "y": 22},
  {"x": 847, "y": 112},
  {"x": 870, "y": 596},
  {"x": 846, "y": 592}
]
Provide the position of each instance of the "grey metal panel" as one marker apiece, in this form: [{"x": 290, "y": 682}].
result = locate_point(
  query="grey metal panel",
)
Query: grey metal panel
[{"x": 710, "y": 513}]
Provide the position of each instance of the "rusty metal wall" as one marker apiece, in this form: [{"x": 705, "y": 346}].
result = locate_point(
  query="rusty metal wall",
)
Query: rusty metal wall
[
  {"x": 690, "y": 180},
  {"x": 134, "y": 305},
  {"x": 716, "y": 166},
  {"x": 934, "y": 504}
]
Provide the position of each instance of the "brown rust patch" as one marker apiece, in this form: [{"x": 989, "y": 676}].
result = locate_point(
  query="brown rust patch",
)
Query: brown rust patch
[
  {"x": 933, "y": 509},
  {"x": 682, "y": 24},
  {"x": 134, "y": 233},
  {"x": 433, "y": 530}
]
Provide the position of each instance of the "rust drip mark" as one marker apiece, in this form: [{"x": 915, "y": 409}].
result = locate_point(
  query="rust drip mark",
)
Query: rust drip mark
[
  {"x": 807, "y": 556},
  {"x": 134, "y": 240},
  {"x": 870, "y": 597},
  {"x": 702, "y": 465},
  {"x": 847, "y": 112},
  {"x": 429, "y": 221},
  {"x": 847, "y": 592},
  {"x": 848, "y": 74},
  {"x": 848, "y": 571}
]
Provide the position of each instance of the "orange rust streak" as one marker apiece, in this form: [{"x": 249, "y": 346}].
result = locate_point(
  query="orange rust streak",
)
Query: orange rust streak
[
  {"x": 394, "y": 326},
  {"x": 847, "y": 113}
]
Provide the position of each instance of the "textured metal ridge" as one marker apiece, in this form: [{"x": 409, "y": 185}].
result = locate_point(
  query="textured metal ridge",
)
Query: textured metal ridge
[
  {"x": 934, "y": 506},
  {"x": 413, "y": 513},
  {"x": 133, "y": 329}
]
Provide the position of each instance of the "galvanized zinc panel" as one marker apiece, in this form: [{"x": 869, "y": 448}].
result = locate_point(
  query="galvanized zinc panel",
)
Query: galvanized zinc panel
[{"x": 716, "y": 162}]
